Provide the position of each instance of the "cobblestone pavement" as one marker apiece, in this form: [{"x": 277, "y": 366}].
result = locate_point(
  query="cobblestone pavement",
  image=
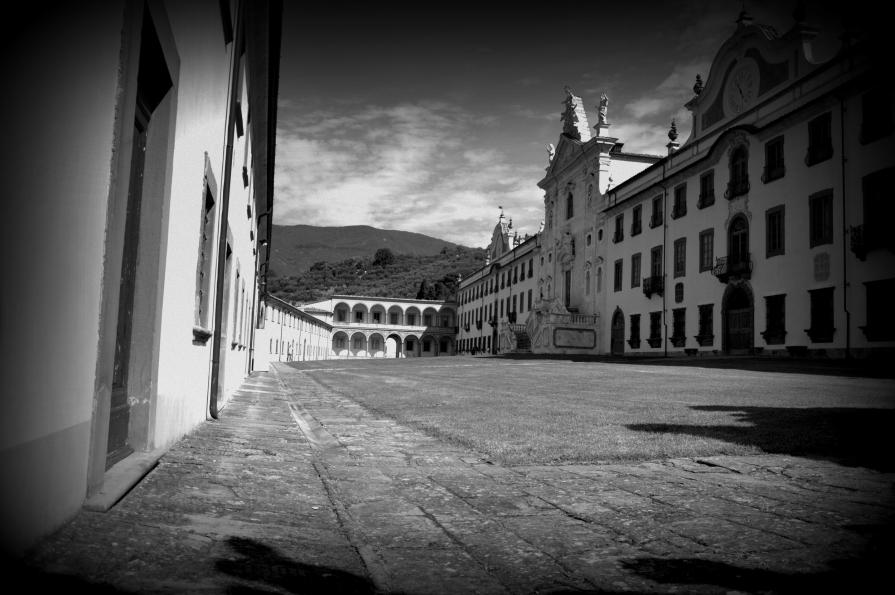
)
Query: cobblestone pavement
[{"x": 298, "y": 489}]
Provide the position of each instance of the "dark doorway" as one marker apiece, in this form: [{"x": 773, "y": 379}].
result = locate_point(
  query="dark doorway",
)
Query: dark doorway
[
  {"x": 618, "y": 333},
  {"x": 738, "y": 320},
  {"x": 119, "y": 414}
]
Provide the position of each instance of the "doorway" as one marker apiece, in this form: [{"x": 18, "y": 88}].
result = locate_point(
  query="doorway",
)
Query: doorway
[
  {"x": 618, "y": 333},
  {"x": 738, "y": 319}
]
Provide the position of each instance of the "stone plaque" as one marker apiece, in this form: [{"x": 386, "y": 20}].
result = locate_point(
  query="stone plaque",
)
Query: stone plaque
[
  {"x": 821, "y": 266},
  {"x": 575, "y": 338}
]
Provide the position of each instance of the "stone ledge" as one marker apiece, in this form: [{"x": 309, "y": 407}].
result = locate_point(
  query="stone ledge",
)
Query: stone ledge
[{"x": 121, "y": 477}]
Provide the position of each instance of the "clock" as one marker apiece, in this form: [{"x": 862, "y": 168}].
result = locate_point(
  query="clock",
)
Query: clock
[{"x": 742, "y": 87}]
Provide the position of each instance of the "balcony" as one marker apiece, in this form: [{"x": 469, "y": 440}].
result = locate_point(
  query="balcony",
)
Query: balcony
[
  {"x": 653, "y": 285},
  {"x": 728, "y": 270},
  {"x": 736, "y": 188}
]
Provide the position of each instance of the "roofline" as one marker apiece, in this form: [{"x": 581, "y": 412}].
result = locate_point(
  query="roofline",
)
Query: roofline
[{"x": 295, "y": 310}]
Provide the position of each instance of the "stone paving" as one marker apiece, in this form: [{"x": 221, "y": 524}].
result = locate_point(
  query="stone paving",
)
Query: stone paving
[{"x": 298, "y": 489}]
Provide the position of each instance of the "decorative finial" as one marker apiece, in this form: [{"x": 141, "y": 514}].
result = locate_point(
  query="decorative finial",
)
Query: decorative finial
[
  {"x": 501, "y": 211},
  {"x": 551, "y": 151},
  {"x": 604, "y": 104},
  {"x": 510, "y": 224},
  {"x": 697, "y": 88},
  {"x": 568, "y": 90},
  {"x": 672, "y": 133}
]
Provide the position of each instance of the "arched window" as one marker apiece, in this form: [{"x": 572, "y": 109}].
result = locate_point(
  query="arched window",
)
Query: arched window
[
  {"x": 587, "y": 282},
  {"x": 570, "y": 206},
  {"x": 738, "y": 241},
  {"x": 739, "y": 173},
  {"x": 599, "y": 279}
]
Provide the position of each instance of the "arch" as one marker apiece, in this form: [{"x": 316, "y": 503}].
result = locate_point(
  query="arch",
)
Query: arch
[
  {"x": 358, "y": 345},
  {"x": 412, "y": 316},
  {"x": 342, "y": 313},
  {"x": 395, "y": 315},
  {"x": 430, "y": 317},
  {"x": 360, "y": 314},
  {"x": 445, "y": 346},
  {"x": 411, "y": 346},
  {"x": 378, "y": 314},
  {"x": 394, "y": 346},
  {"x": 428, "y": 345},
  {"x": 447, "y": 316},
  {"x": 617, "y": 346},
  {"x": 738, "y": 319},
  {"x": 376, "y": 345},
  {"x": 340, "y": 344}
]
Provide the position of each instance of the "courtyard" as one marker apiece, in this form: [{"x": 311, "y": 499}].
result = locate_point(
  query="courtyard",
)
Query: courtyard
[{"x": 502, "y": 475}]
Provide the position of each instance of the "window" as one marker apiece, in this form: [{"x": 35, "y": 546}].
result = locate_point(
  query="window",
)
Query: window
[
  {"x": 879, "y": 211},
  {"x": 821, "y": 218},
  {"x": 739, "y": 173},
  {"x": 634, "y": 339},
  {"x": 377, "y": 317},
  {"x": 599, "y": 235},
  {"x": 357, "y": 342},
  {"x": 706, "y": 329},
  {"x": 678, "y": 293},
  {"x": 567, "y": 294},
  {"x": 529, "y": 300},
  {"x": 589, "y": 239},
  {"x": 773, "y": 160},
  {"x": 655, "y": 329},
  {"x": 341, "y": 314},
  {"x": 876, "y": 115},
  {"x": 706, "y": 250},
  {"x": 821, "y": 330},
  {"x": 516, "y": 274},
  {"x": 570, "y": 206},
  {"x": 359, "y": 316},
  {"x": 617, "y": 285},
  {"x": 599, "y": 279},
  {"x": 411, "y": 319},
  {"x": 706, "y": 190},
  {"x": 635, "y": 270},
  {"x": 619, "y": 228},
  {"x": 393, "y": 318},
  {"x": 203, "y": 267},
  {"x": 775, "y": 319},
  {"x": 680, "y": 257},
  {"x": 636, "y": 220},
  {"x": 680, "y": 202},
  {"x": 522, "y": 272},
  {"x": 656, "y": 262},
  {"x": 678, "y": 334},
  {"x": 880, "y": 314},
  {"x": 774, "y": 225},
  {"x": 587, "y": 283},
  {"x": 820, "y": 139},
  {"x": 530, "y": 265},
  {"x": 657, "y": 218},
  {"x": 427, "y": 345}
]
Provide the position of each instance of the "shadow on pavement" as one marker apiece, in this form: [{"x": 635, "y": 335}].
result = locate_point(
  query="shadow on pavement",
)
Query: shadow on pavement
[
  {"x": 844, "y": 576},
  {"x": 877, "y": 367},
  {"x": 853, "y": 437},
  {"x": 261, "y": 563}
]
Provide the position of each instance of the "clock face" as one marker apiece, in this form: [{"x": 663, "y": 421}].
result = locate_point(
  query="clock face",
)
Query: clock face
[{"x": 742, "y": 87}]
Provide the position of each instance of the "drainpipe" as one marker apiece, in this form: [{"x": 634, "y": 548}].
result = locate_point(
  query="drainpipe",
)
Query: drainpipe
[
  {"x": 664, "y": 258},
  {"x": 844, "y": 232},
  {"x": 225, "y": 210}
]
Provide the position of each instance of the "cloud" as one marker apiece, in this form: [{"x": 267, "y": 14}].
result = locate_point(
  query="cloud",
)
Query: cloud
[{"x": 412, "y": 166}]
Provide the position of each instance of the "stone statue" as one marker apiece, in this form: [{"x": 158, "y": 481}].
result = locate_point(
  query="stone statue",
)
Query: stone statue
[
  {"x": 551, "y": 151},
  {"x": 604, "y": 104}
]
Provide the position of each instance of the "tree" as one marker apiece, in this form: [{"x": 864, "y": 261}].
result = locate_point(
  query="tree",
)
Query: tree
[
  {"x": 424, "y": 292},
  {"x": 383, "y": 257}
]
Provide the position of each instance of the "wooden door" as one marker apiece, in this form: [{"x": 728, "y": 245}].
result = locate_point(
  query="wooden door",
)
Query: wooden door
[
  {"x": 618, "y": 333},
  {"x": 119, "y": 413}
]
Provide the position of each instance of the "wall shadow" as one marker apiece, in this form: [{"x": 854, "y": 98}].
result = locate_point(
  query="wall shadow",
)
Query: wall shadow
[
  {"x": 261, "y": 563},
  {"x": 849, "y": 436}
]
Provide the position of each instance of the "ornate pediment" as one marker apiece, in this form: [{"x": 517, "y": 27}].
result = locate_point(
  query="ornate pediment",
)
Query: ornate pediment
[{"x": 566, "y": 153}]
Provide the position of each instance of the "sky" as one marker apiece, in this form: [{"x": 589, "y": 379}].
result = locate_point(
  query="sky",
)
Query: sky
[{"x": 429, "y": 117}]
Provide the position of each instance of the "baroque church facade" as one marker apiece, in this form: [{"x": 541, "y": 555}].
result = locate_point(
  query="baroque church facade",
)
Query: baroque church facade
[{"x": 763, "y": 232}]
